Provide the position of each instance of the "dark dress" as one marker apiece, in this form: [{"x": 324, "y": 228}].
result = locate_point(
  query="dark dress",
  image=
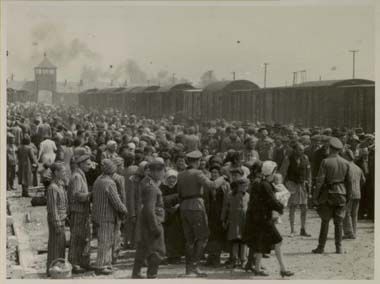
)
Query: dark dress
[
  {"x": 260, "y": 232},
  {"x": 174, "y": 236},
  {"x": 214, "y": 200}
]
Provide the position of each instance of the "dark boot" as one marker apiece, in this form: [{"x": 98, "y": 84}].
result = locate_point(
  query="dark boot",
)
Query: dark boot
[
  {"x": 338, "y": 234},
  {"x": 339, "y": 249},
  {"x": 323, "y": 234},
  {"x": 304, "y": 234},
  {"x": 25, "y": 192},
  {"x": 318, "y": 250},
  {"x": 136, "y": 272},
  {"x": 153, "y": 263}
]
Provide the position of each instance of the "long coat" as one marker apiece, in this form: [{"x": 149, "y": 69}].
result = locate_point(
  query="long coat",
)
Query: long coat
[
  {"x": 150, "y": 232},
  {"x": 174, "y": 235},
  {"x": 260, "y": 232},
  {"x": 215, "y": 199},
  {"x": 234, "y": 212},
  {"x": 26, "y": 159}
]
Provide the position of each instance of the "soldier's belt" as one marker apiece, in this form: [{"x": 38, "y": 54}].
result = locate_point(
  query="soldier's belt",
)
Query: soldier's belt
[{"x": 191, "y": 196}]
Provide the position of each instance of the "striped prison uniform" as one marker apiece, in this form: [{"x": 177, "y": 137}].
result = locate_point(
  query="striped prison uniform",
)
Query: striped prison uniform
[
  {"x": 107, "y": 205},
  {"x": 80, "y": 230},
  {"x": 56, "y": 215},
  {"x": 120, "y": 185}
]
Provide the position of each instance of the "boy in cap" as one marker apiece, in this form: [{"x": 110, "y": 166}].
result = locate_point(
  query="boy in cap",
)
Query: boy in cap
[{"x": 332, "y": 193}]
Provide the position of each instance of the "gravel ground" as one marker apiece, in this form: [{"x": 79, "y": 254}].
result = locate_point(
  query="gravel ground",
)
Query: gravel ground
[{"x": 356, "y": 263}]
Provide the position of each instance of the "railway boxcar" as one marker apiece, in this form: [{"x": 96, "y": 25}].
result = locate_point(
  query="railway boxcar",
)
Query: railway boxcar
[
  {"x": 219, "y": 101},
  {"x": 172, "y": 97},
  {"x": 192, "y": 103},
  {"x": 341, "y": 103}
]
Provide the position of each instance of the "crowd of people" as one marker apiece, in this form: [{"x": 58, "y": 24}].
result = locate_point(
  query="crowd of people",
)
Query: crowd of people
[{"x": 172, "y": 188}]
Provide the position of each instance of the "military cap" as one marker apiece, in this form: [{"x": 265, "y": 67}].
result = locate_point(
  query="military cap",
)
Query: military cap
[
  {"x": 325, "y": 138},
  {"x": 336, "y": 143},
  {"x": 194, "y": 155},
  {"x": 316, "y": 137}
]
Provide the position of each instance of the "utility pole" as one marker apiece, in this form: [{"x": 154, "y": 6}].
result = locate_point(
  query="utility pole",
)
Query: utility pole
[
  {"x": 294, "y": 78},
  {"x": 265, "y": 74},
  {"x": 353, "y": 61},
  {"x": 303, "y": 75},
  {"x": 233, "y": 75},
  {"x": 173, "y": 78}
]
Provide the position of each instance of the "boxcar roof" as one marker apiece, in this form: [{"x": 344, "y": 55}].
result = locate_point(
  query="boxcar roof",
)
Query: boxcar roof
[
  {"x": 182, "y": 86},
  {"x": 230, "y": 86},
  {"x": 335, "y": 83}
]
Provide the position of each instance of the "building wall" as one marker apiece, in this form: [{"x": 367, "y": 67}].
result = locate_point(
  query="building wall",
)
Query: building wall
[{"x": 45, "y": 79}]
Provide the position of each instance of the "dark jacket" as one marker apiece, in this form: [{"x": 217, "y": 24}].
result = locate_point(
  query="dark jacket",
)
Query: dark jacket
[{"x": 260, "y": 232}]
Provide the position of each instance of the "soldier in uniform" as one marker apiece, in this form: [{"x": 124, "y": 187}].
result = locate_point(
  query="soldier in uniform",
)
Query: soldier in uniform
[
  {"x": 150, "y": 232},
  {"x": 332, "y": 193},
  {"x": 191, "y": 185}
]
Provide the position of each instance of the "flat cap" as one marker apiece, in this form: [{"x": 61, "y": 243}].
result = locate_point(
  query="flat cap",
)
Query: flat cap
[
  {"x": 156, "y": 163},
  {"x": 194, "y": 155},
  {"x": 336, "y": 143}
]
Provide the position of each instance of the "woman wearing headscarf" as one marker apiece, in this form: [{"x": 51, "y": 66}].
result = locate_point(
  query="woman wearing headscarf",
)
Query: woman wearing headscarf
[
  {"x": 27, "y": 162},
  {"x": 174, "y": 237},
  {"x": 266, "y": 236},
  {"x": 57, "y": 207}
]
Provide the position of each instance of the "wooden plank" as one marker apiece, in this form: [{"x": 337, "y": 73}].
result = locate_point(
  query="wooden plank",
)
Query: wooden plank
[{"x": 26, "y": 256}]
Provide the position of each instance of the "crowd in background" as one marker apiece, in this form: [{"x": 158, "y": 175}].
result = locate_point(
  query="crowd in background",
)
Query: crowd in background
[{"x": 101, "y": 168}]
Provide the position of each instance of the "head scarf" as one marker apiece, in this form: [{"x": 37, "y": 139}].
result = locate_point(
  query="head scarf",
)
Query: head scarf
[{"x": 268, "y": 168}]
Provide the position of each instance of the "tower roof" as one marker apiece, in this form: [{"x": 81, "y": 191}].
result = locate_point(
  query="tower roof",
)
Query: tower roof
[{"x": 46, "y": 63}]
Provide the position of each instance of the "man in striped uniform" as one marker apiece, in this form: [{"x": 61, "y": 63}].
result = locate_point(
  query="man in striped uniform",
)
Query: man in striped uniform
[
  {"x": 107, "y": 206},
  {"x": 120, "y": 185},
  {"x": 79, "y": 206},
  {"x": 56, "y": 214}
]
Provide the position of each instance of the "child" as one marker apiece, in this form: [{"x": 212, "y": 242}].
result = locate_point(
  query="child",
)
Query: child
[
  {"x": 234, "y": 214},
  {"x": 282, "y": 195}
]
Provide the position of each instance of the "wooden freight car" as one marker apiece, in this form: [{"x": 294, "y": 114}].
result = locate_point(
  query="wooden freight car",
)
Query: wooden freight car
[
  {"x": 335, "y": 103},
  {"x": 172, "y": 98},
  {"x": 219, "y": 100},
  {"x": 144, "y": 105},
  {"x": 192, "y": 103}
]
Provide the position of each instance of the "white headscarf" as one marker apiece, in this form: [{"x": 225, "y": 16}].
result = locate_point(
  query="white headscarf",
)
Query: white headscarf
[{"x": 268, "y": 168}]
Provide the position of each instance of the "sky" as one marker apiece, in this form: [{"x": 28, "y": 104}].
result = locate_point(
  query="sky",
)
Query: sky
[{"x": 138, "y": 43}]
